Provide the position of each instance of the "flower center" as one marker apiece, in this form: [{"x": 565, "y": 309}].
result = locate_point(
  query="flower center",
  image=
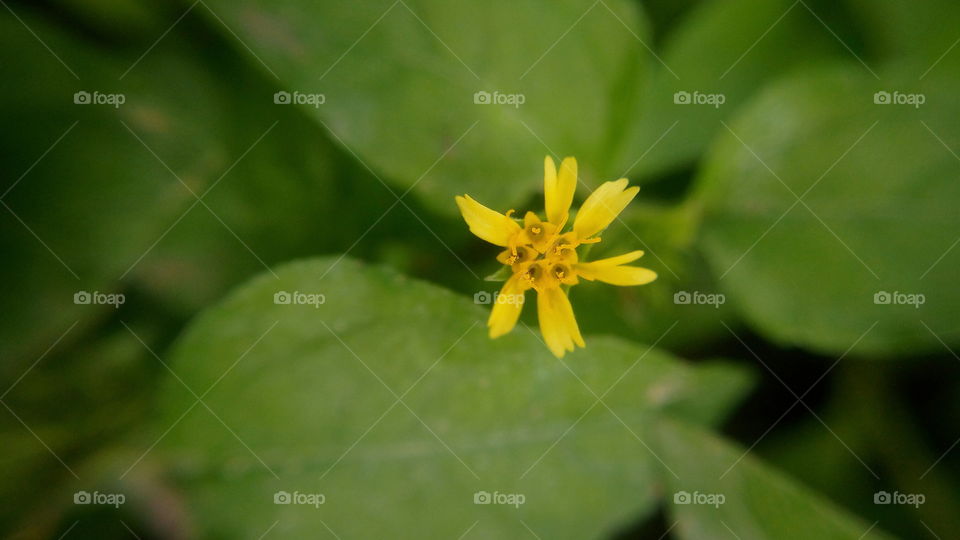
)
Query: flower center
[
  {"x": 535, "y": 232},
  {"x": 517, "y": 256},
  {"x": 533, "y": 273}
]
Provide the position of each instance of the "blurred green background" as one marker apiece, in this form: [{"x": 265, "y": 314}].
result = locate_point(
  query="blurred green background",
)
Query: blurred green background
[{"x": 166, "y": 162}]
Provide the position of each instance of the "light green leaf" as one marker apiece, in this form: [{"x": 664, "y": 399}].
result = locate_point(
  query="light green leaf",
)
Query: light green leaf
[
  {"x": 309, "y": 392},
  {"x": 722, "y": 52},
  {"x": 399, "y": 81},
  {"x": 719, "y": 491},
  {"x": 877, "y": 223}
]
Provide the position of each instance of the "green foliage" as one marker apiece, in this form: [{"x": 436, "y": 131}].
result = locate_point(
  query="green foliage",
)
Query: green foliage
[
  {"x": 139, "y": 168},
  {"x": 726, "y": 49},
  {"x": 819, "y": 199},
  {"x": 404, "y": 94},
  {"x": 304, "y": 398},
  {"x": 768, "y": 505},
  {"x": 475, "y": 415}
]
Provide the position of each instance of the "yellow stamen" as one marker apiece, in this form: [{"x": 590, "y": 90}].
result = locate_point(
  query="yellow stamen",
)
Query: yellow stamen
[{"x": 532, "y": 273}]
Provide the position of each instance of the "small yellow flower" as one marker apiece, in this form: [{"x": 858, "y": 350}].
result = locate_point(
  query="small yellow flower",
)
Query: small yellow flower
[{"x": 542, "y": 257}]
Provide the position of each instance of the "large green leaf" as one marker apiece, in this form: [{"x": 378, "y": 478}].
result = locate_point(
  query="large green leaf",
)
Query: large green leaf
[
  {"x": 304, "y": 398},
  {"x": 876, "y": 224},
  {"x": 721, "y": 490},
  {"x": 399, "y": 80},
  {"x": 721, "y": 48}
]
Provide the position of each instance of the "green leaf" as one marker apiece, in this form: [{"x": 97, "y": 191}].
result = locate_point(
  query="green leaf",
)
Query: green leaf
[
  {"x": 721, "y": 48},
  {"x": 877, "y": 223},
  {"x": 399, "y": 81},
  {"x": 311, "y": 390},
  {"x": 720, "y": 490}
]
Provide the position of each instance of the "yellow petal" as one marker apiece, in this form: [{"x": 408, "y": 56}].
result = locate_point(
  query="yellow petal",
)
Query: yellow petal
[
  {"x": 551, "y": 327},
  {"x": 602, "y": 207},
  {"x": 557, "y": 322},
  {"x": 531, "y": 219},
  {"x": 573, "y": 330},
  {"x": 549, "y": 179},
  {"x": 619, "y": 259},
  {"x": 616, "y": 275},
  {"x": 487, "y": 224},
  {"x": 558, "y": 190},
  {"x": 506, "y": 307}
]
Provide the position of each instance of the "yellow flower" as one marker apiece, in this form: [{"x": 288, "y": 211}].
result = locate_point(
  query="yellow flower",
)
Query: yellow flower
[{"x": 542, "y": 257}]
